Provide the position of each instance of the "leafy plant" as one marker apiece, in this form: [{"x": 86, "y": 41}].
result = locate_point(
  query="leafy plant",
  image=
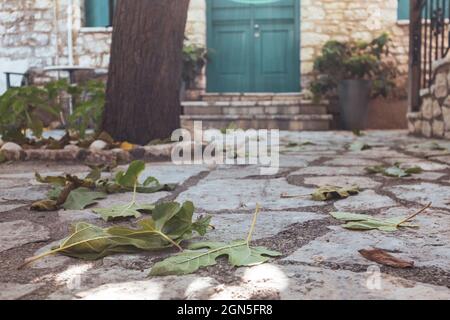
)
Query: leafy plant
[
  {"x": 21, "y": 110},
  {"x": 88, "y": 110},
  {"x": 194, "y": 60},
  {"x": 204, "y": 254},
  {"x": 93, "y": 187},
  {"x": 395, "y": 171},
  {"x": 354, "y": 60},
  {"x": 330, "y": 193},
  {"x": 169, "y": 225},
  {"x": 366, "y": 222}
]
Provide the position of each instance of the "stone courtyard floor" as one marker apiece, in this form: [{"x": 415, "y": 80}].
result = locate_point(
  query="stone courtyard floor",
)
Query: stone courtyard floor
[{"x": 320, "y": 258}]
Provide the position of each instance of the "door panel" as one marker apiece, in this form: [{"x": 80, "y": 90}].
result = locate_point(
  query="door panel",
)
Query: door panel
[
  {"x": 230, "y": 71},
  {"x": 253, "y": 47},
  {"x": 274, "y": 58}
]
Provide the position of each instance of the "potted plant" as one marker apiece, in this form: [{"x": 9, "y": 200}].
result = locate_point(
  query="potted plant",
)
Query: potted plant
[
  {"x": 194, "y": 60},
  {"x": 356, "y": 71}
]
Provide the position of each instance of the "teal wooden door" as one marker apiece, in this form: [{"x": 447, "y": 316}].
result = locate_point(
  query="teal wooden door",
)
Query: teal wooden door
[{"x": 253, "y": 47}]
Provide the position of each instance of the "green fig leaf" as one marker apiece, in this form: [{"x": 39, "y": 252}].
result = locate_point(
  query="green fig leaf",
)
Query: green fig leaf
[
  {"x": 205, "y": 254},
  {"x": 82, "y": 198},
  {"x": 363, "y": 222},
  {"x": 90, "y": 242}
]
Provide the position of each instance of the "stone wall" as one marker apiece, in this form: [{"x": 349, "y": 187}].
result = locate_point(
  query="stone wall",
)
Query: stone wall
[
  {"x": 344, "y": 20},
  {"x": 433, "y": 119},
  {"x": 34, "y": 32}
]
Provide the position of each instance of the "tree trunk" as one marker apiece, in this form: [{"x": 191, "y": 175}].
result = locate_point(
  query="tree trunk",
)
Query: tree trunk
[{"x": 143, "y": 91}]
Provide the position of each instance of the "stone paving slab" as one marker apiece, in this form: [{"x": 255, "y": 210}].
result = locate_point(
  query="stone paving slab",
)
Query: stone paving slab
[
  {"x": 366, "y": 200},
  {"x": 345, "y": 161},
  {"x": 424, "y": 193},
  {"x": 20, "y": 232},
  {"x": 13, "y": 291},
  {"x": 342, "y": 181},
  {"x": 330, "y": 171},
  {"x": 320, "y": 258},
  {"x": 235, "y": 226},
  {"x": 297, "y": 282},
  {"x": 217, "y": 195}
]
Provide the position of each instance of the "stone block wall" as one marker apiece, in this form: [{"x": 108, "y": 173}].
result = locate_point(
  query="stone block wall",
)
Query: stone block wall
[
  {"x": 345, "y": 20},
  {"x": 33, "y": 33},
  {"x": 433, "y": 119}
]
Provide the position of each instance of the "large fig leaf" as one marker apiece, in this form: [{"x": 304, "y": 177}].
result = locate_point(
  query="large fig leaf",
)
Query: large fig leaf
[
  {"x": 90, "y": 242},
  {"x": 205, "y": 254},
  {"x": 82, "y": 198},
  {"x": 365, "y": 222},
  {"x": 128, "y": 181},
  {"x": 123, "y": 211},
  {"x": 129, "y": 178}
]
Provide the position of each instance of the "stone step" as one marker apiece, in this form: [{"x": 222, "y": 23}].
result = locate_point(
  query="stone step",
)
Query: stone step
[
  {"x": 253, "y": 108},
  {"x": 306, "y": 122},
  {"x": 212, "y": 97}
]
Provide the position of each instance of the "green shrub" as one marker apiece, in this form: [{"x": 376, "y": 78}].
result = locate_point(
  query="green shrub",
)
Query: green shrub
[
  {"x": 355, "y": 60},
  {"x": 194, "y": 60},
  {"x": 22, "y": 109},
  {"x": 88, "y": 110}
]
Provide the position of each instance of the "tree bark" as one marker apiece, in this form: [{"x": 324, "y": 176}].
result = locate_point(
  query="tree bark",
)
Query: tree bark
[{"x": 143, "y": 91}]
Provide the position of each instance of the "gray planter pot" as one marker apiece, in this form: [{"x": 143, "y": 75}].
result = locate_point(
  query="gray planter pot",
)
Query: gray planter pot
[{"x": 354, "y": 97}]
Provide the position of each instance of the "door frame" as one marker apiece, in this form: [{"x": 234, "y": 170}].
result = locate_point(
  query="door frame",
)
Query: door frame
[{"x": 297, "y": 39}]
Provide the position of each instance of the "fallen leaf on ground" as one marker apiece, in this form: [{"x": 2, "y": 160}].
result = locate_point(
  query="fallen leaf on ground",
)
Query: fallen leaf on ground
[
  {"x": 382, "y": 257},
  {"x": 394, "y": 171},
  {"x": 65, "y": 185},
  {"x": 126, "y": 146},
  {"x": 123, "y": 211},
  {"x": 82, "y": 198},
  {"x": 331, "y": 193},
  {"x": 170, "y": 224},
  {"x": 363, "y": 222},
  {"x": 300, "y": 144},
  {"x": 45, "y": 205},
  {"x": 204, "y": 254},
  {"x": 358, "y": 133},
  {"x": 129, "y": 180},
  {"x": 359, "y": 146}
]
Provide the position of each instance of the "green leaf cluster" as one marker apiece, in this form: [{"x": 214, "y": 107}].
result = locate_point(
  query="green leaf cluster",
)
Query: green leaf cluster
[
  {"x": 169, "y": 225},
  {"x": 194, "y": 60},
  {"x": 73, "y": 193},
  {"x": 23, "y": 108},
  {"x": 354, "y": 60}
]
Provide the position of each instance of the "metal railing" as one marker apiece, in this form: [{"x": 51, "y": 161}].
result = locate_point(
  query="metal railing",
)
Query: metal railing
[
  {"x": 429, "y": 41},
  {"x": 430, "y": 35}
]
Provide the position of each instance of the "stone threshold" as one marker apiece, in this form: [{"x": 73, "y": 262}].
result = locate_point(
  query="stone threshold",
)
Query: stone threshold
[{"x": 301, "y": 117}]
